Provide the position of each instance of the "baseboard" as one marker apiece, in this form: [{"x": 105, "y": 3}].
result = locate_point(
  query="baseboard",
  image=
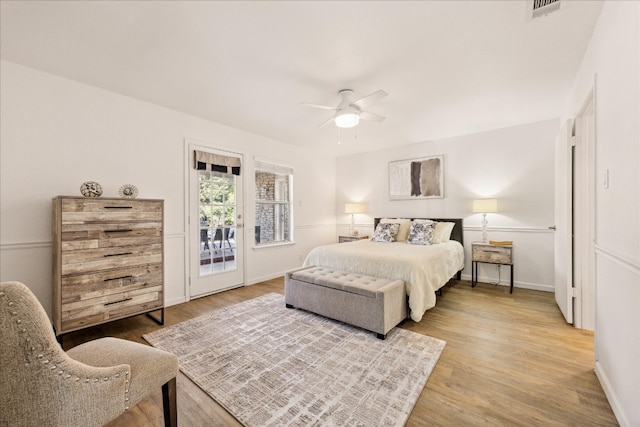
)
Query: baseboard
[
  {"x": 516, "y": 283},
  {"x": 612, "y": 397},
  {"x": 265, "y": 278},
  {"x": 174, "y": 301}
]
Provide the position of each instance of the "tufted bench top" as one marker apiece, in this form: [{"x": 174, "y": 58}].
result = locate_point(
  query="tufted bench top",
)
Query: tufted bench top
[{"x": 349, "y": 282}]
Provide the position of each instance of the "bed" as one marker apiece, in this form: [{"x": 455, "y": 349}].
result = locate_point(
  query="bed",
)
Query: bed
[{"x": 424, "y": 269}]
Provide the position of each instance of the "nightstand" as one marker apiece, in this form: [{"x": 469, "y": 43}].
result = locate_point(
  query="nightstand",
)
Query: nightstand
[
  {"x": 490, "y": 254},
  {"x": 345, "y": 239}
]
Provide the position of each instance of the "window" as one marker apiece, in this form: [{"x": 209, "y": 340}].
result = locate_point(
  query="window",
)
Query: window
[{"x": 274, "y": 207}]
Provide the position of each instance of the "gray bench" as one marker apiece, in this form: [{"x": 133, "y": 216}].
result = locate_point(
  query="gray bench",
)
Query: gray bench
[{"x": 371, "y": 303}]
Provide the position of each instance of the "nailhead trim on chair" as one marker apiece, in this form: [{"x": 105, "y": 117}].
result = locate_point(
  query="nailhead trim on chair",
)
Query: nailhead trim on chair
[{"x": 54, "y": 366}]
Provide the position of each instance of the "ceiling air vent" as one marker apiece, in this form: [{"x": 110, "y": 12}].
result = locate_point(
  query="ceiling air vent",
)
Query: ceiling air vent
[{"x": 544, "y": 7}]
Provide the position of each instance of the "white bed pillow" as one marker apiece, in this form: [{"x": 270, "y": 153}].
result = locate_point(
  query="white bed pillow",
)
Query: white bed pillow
[
  {"x": 442, "y": 232},
  {"x": 425, "y": 221},
  {"x": 421, "y": 233},
  {"x": 403, "y": 231},
  {"x": 385, "y": 232}
]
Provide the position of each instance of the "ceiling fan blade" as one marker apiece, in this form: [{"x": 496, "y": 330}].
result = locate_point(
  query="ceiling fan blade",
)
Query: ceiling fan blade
[
  {"x": 369, "y": 99},
  {"x": 329, "y": 120},
  {"x": 365, "y": 115},
  {"x": 322, "y": 107}
]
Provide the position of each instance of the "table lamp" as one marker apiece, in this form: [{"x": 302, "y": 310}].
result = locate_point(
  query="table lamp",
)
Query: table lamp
[
  {"x": 485, "y": 206},
  {"x": 354, "y": 208}
]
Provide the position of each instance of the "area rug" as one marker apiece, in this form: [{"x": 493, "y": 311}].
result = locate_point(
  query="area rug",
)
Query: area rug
[{"x": 272, "y": 366}]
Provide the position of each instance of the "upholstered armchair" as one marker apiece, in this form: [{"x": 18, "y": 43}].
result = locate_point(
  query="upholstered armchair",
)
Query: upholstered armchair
[{"x": 90, "y": 385}]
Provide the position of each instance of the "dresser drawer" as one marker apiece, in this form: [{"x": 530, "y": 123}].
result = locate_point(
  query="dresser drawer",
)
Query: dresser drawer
[
  {"x": 91, "y": 260},
  {"x": 84, "y": 313},
  {"x": 492, "y": 254},
  {"x": 88, "y": 286},
  {"x": 82, "y": 210},
  {"x": 346, "y": 239},
  {"x": 94, "y": 236}
]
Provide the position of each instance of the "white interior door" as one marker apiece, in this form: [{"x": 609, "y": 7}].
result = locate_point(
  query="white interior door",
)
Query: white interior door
[
  {"x": 563, "y": 264},
  {"x": 216, "y": 232}
]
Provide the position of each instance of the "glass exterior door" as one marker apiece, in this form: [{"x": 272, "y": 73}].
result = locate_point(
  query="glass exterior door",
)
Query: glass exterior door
[{"x": 216, "y": 231}]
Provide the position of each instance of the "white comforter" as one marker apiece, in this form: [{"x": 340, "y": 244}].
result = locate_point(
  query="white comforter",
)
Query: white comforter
[{"x": 424, "y": 269}]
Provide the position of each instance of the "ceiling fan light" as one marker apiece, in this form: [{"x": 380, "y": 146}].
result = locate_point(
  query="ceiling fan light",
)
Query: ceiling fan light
[{"x": 347, "y": 120}]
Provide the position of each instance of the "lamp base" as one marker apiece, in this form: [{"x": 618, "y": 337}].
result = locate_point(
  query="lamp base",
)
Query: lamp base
[
  {"x": 484, "y": 223},
  {"x": 351, "y": 228}
]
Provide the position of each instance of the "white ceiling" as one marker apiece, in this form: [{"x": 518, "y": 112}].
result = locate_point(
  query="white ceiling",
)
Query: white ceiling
[{"x": 450, "y": 67}]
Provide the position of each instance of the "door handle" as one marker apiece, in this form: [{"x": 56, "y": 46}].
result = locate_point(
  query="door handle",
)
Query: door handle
[{"x": 553, "y": 227}]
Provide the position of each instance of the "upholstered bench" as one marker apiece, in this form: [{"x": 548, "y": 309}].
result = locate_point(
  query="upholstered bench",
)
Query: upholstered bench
[{"x": 371, "y": 303}]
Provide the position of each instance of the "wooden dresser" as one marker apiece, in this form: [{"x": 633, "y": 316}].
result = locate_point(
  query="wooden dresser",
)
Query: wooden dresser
[{"x": 107, "y": 260}]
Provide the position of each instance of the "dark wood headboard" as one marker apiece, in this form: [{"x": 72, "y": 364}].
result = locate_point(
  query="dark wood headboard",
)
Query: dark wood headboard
[{"x": 456, "y": 234}]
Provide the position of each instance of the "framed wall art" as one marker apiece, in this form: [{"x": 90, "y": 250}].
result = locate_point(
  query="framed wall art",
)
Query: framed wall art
[{"x": 417, "y": 178}]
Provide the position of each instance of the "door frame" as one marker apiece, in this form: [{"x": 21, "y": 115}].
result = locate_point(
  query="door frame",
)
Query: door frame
[
  {"x": 190, "y": 144},
  {"x": 584, "y": 304}
]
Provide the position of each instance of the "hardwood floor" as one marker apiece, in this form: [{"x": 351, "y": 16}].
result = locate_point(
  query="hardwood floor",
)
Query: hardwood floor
[{"x": 510, "y": 360}]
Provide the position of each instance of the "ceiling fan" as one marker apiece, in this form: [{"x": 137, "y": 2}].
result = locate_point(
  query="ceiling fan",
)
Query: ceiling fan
[{"x": 349, "y": 112}]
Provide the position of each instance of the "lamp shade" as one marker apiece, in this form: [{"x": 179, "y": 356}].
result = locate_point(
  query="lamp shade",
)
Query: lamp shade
[
  {"x": 354, "y": 208},
  {"x": 485, "y": 205}
]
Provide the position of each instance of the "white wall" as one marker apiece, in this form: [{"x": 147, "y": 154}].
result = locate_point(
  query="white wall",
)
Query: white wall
[
  {"x": 613, "y": 57},
  {"x": 57, "y": 133},
  {"x": 515, "y": 165}
]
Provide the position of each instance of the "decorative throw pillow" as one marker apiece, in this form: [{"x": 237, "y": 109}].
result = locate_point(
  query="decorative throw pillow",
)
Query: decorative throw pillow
[
  {"x": 403, "y": 230},
  {"x": 386, "y": 232},
  {"x": 421, "y": 233},
  {"x": 442, "y": 232}
]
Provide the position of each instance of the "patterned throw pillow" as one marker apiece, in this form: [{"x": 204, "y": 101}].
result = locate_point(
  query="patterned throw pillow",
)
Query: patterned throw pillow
[
  {"x": 385, "y": 233},
  {"x": 403, "y": 230},
  {"x": 421, "y": 233}
]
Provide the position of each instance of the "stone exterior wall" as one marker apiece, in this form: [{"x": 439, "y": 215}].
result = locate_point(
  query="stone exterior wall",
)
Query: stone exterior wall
[
  {"x": 266, "y": 184},
  {"x": 265, "y": 191}
]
